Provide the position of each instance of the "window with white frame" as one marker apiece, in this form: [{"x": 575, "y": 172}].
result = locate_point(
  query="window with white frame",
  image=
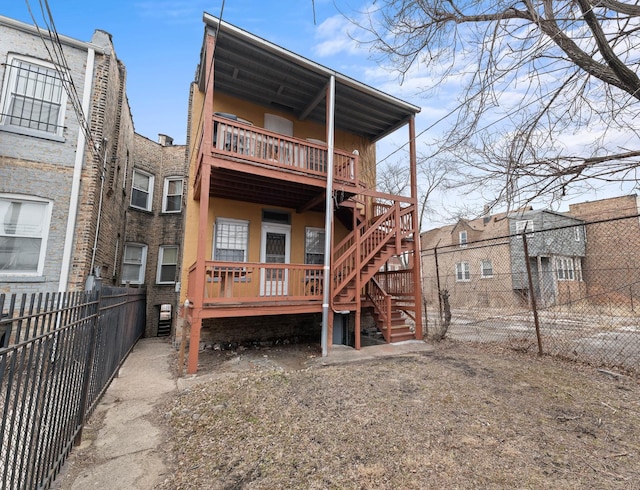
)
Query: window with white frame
[
  {"x": 172, "y": 195},
  {"x": 314, "y": 246},
  {"x": 24, "y": 228},
  {"x": 462, "y": 272},
  {"x": 33, "y": 97},
  {"x": 134, "y": 261},
  {"x": 565, "y": 269},
  {"x": 167, "y": 264},
  {"x": 486, "y": 268},
  {"x": 462, "y": 238},
  {"x": 524, "y": 225},
  {"x": 231, "y": 240},
  {"x": 142, "y": 190},
  {"x": 576, "y": 233}
]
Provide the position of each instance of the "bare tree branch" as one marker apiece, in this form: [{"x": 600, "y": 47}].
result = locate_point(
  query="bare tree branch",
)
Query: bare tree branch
[{"x": 535, "y": 78}]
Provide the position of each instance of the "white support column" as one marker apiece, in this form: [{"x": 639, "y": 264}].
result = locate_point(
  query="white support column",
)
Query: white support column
[{"x": 328, "y": 223}]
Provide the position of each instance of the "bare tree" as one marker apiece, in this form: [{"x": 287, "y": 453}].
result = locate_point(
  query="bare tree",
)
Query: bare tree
[
  {"x": 549, "y": 91},
  {"x": 433, "y": 175}
]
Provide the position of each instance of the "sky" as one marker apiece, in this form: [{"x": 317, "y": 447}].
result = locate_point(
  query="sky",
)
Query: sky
[{"x": 159, "y": 43}]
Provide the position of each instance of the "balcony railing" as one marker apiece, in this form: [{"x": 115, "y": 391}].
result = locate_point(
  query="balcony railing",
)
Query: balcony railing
[
  {"x": 240, "y": 140},
  {"x": 396, "y": 283},
  {"x": 246, "y": 282}
]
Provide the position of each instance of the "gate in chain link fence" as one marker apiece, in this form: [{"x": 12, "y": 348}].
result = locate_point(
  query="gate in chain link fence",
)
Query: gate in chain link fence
[
  {"x": 58, "y": 354},
  {"x": 570, "y": 291}
]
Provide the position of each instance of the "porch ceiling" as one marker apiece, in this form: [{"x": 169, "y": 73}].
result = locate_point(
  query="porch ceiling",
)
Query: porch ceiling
[
  {"x": 251, "y": 68},
  {"x": 236, "y": 185}
]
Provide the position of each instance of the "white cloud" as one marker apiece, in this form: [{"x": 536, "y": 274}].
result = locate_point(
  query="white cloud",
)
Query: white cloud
[
  {"x": 170, "y": 11},
  {"x": 335, "y": 36}
]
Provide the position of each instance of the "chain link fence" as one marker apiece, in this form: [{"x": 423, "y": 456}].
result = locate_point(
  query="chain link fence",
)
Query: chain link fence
[{"x": 570, "y": 291}]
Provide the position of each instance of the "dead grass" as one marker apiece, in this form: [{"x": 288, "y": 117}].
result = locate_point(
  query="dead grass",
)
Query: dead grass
[{"x": 462, "y": 417}]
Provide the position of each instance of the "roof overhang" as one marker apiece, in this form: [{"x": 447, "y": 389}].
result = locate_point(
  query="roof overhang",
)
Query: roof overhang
[{"x": 251, "y": 68}]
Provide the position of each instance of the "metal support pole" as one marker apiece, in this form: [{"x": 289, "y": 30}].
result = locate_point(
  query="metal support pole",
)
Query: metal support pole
[
  {"x": 328, "y": 224},
  {"x": 532, "y": 294}
]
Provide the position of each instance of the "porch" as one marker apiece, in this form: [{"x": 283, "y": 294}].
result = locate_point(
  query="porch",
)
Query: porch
[
  {"x": 296, "y": 165},
  {"x": 256, "y": 289}
]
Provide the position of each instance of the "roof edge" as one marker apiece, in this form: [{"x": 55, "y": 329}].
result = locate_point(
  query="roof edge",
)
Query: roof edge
[
  {"x": 32, "y": 29},
  {"x": 215, "y": 22}
]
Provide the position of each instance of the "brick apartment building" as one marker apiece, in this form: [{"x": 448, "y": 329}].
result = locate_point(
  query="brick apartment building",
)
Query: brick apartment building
[
  {"x": 612, "y": 262},
  {"x": 81, "y": 200},
  {"x": 154, "y": 224},
  {"x": 50, "y": 170},
  {"x": 481, "y": 262}
]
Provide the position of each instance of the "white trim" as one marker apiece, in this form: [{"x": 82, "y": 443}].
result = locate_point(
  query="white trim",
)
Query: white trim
[
  {"x": 152, "y": 178},
  {"x": 462, "y": 270},
  {"x": 482, "y": 274},
  {"x": 76, "y": 43},
  {"x": 266, "y": 288},
  {"x": 143, "y": 264},
  {"x": 46, "y": 225},
  {"x": 462, "y": 243},
  {"x": 315, "y": 229},
  {"x": 9, "y": 86},
  {"x": 165, "y": 193},
  {"x": 161, "y": 250},
  {"x": 523, "y": 225},
  {"x": 74, "y": 198},
  {"x": 231, "y": 221}
]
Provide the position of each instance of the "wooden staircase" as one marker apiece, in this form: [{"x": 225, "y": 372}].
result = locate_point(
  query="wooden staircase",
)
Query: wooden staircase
[
  {"x": 361, "y": 255},
  {"x": 396, "y": 328}
]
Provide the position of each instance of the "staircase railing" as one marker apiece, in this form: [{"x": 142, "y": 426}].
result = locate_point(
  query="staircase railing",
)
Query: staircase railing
[
  {"x": 394, "y": 224},
  {"x": 372, "y": 238},
  {"x": 381, "y": 304}
]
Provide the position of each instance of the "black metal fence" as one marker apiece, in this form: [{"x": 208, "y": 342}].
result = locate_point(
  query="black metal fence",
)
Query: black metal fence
[
  {"x": 58, "y": 354},
  {"x": 570, "y": 291}
]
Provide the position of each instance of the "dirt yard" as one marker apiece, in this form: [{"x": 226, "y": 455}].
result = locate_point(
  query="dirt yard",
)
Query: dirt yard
[{"x": 460, "y": 417}]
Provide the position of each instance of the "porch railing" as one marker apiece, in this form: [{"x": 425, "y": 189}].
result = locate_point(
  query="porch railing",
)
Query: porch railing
[
  {"x": 241, "y": 282},
  {"x": 381, "y": 301},
  {"x": 396, "y": 283},
  {"x": 394, "y": 225},
  {"x": 236, "y": 139}
]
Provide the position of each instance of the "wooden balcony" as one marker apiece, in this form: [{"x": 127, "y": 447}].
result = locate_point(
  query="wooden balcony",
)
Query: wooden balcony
[
  {"x": 272, "y": 160},
  {"x": 253, "y": 289}
]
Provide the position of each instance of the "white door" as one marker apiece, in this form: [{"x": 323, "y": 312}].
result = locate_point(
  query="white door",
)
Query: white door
[{"x": 275, "y": 247}]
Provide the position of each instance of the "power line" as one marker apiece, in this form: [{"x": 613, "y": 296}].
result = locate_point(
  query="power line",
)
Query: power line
[
  {"x": 61, "y": 66},
  {"x": 549, "y": 40}
]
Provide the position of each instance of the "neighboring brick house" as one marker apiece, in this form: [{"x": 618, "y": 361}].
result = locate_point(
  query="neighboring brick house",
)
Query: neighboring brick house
[
  {"x": 153, "y": 240},
  {"x": 78, "y": 205},
  {"x": 472, "y": 260},
  {"x": 612, "y": 264},
  {"x": 481, "y": 262},
  {"x": 50, "y": 167}
]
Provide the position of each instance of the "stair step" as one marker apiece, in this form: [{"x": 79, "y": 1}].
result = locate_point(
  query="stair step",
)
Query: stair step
[{"x": 400, "y": 337}]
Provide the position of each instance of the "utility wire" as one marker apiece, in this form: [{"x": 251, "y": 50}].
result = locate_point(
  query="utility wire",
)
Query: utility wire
[
  {"x": 475, "y": 95},
  {"x": 61, "y": 66}
]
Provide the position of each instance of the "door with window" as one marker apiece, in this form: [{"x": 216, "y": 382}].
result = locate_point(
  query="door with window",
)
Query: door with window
[{"x": 274, "y": 249}]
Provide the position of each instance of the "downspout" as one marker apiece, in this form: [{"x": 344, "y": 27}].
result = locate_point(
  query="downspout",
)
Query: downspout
[
  {"x": 74, "y": 198},
  {"x": 328, "y": 215},
  {"x": 102, "y": 176}
]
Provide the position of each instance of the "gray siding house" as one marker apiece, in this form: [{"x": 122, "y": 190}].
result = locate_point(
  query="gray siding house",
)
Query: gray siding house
[{"x": 557, "y": 247}]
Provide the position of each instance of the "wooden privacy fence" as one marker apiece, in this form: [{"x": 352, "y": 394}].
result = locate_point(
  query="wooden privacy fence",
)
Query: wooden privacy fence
[{"x": 58, "y": 354}]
